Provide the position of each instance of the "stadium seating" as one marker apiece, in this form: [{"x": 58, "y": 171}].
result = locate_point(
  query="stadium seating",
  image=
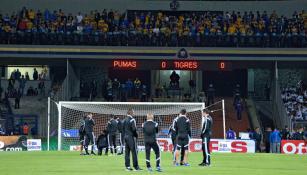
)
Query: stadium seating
[
  {"x": 295, "y": 101},
  {"x": 112, "y": 28}
]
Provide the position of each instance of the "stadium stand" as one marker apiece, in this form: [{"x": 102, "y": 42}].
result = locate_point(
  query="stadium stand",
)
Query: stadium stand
[
  {"x": 154, "y": 28},
  {"x": 295, "y": 101}
]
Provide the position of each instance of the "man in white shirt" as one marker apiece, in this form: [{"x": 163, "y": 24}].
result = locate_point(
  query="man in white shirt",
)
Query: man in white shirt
[{"x": 79, "y": 18}]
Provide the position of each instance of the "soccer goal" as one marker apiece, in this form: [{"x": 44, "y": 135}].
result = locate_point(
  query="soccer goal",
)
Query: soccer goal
[{"x": 72, "y": 113}]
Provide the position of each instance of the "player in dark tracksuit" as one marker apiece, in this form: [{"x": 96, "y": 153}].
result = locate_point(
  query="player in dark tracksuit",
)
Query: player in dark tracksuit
[
  {"x": 130, "y": 135},
  {"x": 172, "y": 133},
  {"x": 89, "y": 134},
  {"x": 102, "y": 142},
  {"x": 182, "y": 127},
  {"x": 112, "y": 128},
  {"x": 206, "y": 133},
  {"x": 121, "y": 136},
  {"x": 82, "y": 135},
  {"x": 150, "y": 129}
]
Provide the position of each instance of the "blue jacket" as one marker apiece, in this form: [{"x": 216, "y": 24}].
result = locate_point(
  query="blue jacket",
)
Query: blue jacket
[
  {"x": 230, "y": 134},
  {"x": 275, "y": 137}
]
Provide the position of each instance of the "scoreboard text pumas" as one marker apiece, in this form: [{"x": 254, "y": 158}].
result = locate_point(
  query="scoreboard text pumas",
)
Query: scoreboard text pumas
[{"x": 131, "y": 64}]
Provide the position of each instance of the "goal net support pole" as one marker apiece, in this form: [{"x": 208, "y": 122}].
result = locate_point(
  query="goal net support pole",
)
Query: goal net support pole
[
  {"x": 59, "y": 126},
  {"x": 224, "y": 118},
  {"x": 48, "y": 125}
]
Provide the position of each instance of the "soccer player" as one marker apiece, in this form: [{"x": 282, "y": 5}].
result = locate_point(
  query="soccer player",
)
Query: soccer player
[
  {"x": 112, "y": 128},
  {"x": 121, "y": 136},
  {"x": 150, "y": 129},
  {"x": 102, "y": 142},
  {"x": 172, "y": 133},
  {"x": 130, "y": 135},
  {"x": 206, "y": 135},
  {"x": 82, "y": 135},
  {"x": 182, "y": 127},
  {"x": 89, "y": 134}
]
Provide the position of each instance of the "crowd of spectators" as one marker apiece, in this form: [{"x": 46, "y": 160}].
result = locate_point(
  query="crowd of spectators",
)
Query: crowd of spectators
[
  {"x": 18, "y": 87},
  {"x": 295, "y": 101},
  {"x": 154, "y": 28},
  {"x": 269, "y": 141},
  {"x": 17, "y": 84}
]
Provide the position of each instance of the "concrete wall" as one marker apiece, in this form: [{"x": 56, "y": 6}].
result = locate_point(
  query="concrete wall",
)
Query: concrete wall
[
  {"x": 261, "y": 78},
  {"x": 286, "y": 7}
]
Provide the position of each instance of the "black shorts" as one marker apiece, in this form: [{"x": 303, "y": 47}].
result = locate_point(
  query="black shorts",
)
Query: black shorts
[
  {"x": 81, "y": 138},
  {"x": 182, "y": 142}
]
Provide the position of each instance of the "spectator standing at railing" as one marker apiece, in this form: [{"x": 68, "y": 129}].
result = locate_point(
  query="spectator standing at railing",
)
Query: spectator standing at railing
[
  {"x": 116, "y": 88},
  {"x": 129, "y": 87},
  {"x": 305, "y": 133},
  {"x": 93, "y": 90},
  {"x": 22, "y": 85},
  {"x": 35, "y": 74},
  {"x": 25, "y": 129},
  {"x": 2, "y": 132},
  {"x": 41, "y": 87},
  {"x": 27, "y": 76},
  {"x": 286, "y": 133},
  {"x": 230, "y": 134},
  {"x": 137, "y": 86},
  {"x": 239, "y": 109},
  {"x": 275, "y": 139},
  {"x": 17, "y": 99},
  {"x": 258, "y": 139},
  {"x": 17, "y": 74},
  {"x": 299, "y": 134}
]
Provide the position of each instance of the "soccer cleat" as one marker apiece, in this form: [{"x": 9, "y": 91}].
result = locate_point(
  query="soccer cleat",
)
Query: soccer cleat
[
  {"x": 93, "y": 153},
  {"x": 138, "y": 169},
  {"x": 159, "y": 169},
  {"x": 129, "y": 169},
  {"x": 202, "y": 164},
  {"x": 119, "y": 153},
  {"x": 186, "y": 164},
  {"x": 181, "y": 163},
  {"x": 177, "y": 164},
  {"x": 149, "y": 169}
]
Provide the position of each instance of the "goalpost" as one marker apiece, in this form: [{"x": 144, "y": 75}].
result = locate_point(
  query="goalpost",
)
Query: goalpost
[{"x": 71, "y": 113}]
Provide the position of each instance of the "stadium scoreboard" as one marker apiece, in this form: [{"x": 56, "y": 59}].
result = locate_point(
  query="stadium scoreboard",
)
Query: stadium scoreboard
[{"x": 164, "y": 64}]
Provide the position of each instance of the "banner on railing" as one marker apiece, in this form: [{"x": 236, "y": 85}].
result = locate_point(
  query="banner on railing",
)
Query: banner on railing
[
  {"x": 34, "y": 144},
  {"x": 13, "y": 143},
  {"x": 216, "y": 145},
  {"x": 293, "y": 147}
]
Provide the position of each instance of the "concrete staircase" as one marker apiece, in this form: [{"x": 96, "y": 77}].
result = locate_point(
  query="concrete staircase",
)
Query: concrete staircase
[
  {"x": 34, "y": 105},
  {"x": 231, "y": 119}
]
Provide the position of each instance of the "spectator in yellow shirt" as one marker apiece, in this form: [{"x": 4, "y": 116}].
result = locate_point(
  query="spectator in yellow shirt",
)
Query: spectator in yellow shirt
[
  {"x": 137, "y": 21},
  {"x": 31, "y": 14},
  {"x": 29, "y": 25},
  {"x": 7, "y": 28},
  {"x": 105, "y": 27},
  {"x": 232, "y": 29}
]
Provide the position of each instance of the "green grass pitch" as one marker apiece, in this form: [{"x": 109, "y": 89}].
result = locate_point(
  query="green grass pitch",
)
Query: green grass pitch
[{"x": 71, "y": 163}]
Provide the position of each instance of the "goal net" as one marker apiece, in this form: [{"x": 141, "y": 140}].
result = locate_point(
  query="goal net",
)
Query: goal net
[{"x": 72, "y": 113}]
